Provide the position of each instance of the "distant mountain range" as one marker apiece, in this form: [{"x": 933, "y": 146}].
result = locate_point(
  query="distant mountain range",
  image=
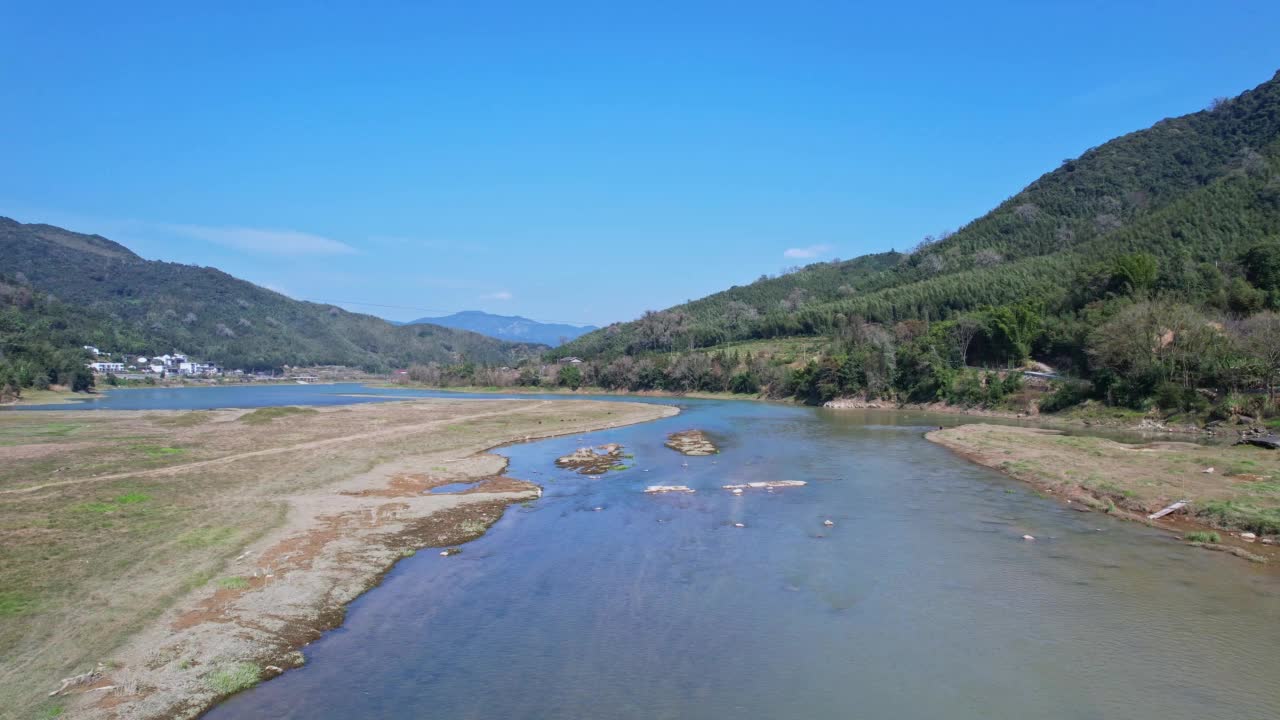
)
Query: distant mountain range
[
  {"x": 144, "y": 307},
  {"x": 509, "y": 327}
]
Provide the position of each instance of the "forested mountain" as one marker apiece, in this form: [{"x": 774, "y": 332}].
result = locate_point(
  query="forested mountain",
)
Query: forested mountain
[
  {"x": 1149, "y": 265},
  {"x": 155, "y": 307},
  {"x": 509, "y": 327},
  {"x": 1200, "y": 188},
  {"x": 41, "y": 341}
]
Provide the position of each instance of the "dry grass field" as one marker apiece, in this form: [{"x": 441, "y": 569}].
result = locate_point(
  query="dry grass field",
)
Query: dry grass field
[
  {"x": 115, "y": 525},
  {"x": 1229, "y": 488}
]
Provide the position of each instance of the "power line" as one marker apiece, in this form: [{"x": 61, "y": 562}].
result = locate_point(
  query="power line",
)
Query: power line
[{"x": 434, "y": 311}]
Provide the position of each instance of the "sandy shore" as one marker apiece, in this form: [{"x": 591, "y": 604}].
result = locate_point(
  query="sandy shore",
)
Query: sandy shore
[
  {"x": 175, "y": 557},
  {"x": 1229, "y": 490}
]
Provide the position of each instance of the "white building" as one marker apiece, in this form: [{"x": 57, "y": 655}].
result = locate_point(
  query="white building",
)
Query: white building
[{"x": 107, "y": 367}]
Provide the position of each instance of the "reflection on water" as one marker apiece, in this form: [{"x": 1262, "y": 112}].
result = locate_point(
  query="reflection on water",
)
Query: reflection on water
[{"x": 922, "y": 601}]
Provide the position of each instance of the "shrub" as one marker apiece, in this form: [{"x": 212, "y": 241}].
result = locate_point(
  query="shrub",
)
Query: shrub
[
  {"x": 472, "y": 527},
  {"x": 1065, "y": 395},
  {"x": 231, "y": 679}
]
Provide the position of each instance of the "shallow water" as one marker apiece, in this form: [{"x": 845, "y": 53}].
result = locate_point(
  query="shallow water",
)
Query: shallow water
[{"x": 921, "y": 602}]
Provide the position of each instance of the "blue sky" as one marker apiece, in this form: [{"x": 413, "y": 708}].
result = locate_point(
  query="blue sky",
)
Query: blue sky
[{"x": 577, "y": 162}]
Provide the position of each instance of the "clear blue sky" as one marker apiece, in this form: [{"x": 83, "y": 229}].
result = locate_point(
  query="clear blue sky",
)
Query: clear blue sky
[{"x": 573, "y": 161}]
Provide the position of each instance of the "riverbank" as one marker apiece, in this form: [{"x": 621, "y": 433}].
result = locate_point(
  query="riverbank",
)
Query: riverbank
[
  {"x": 176, "y": 557},
  {"x": 1087, "y": 415},
  {"x": 568, "y": 392},
  {"x": 1232, "y": 492},
  {"x": 47, "y": 397}
]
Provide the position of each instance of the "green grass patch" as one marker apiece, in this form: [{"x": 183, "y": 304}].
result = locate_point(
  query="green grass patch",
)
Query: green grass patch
[
  {"x": 196, "y": 580},
  {"x": 132, "y": 498},
  {"x": 105, "y": 507},
  {"x": 233, "y": 583},
  {"x": 188, "y": 419},
  {"x": 22, "y": 434},
  {"x": 155, "y": 452},
  {"x": 1244, "y": 515},
  {"x": 1203, "y": 536},
  {"x": 231, "y": 679},
  {"x": 270, "y": 414},
  {"x": 16, "y": 602},
  {"x": 207, "y": 537}
]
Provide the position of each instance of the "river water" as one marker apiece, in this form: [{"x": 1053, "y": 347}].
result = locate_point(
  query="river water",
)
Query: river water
[{"x": 922, "y": 601}]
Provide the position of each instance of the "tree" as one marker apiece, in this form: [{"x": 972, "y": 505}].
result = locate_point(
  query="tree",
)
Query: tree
[
  {"x": 1016, "y": 326},
  {"x": 962, "y": 332},
  {"x": 570, "y": 376},
  {"x": 1261, "y": 336},
  {"x": 1148, "y": 342},
  {"x": 1262, "y": 266},
  {"x": 1136, "y": 273}
]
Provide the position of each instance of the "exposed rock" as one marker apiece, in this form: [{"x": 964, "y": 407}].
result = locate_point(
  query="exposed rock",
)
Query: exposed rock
[
  {"x": 658, "y": 489},
  {"x": 692, "y": 442},
  {"x": 1270, "y": 442},
  {"x": 852, "y": 403},
  {"x": 767, "y": 484},
  {"x": 594, "y": 461},
  {"x": 1028, "y": 537}
]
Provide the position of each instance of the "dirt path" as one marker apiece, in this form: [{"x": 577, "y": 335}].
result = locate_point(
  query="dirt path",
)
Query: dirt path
[{"x": 309, "y": 445}]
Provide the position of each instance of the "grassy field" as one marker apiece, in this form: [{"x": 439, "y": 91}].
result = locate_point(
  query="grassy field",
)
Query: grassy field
[
  {"x": 49, "y": 397},
  {"x": 1240, "y": 494},
  {"x": 108, "y": 519}
]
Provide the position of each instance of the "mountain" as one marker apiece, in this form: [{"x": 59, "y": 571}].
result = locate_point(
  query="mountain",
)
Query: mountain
[
  {"x": 155, "y": 307},
  {"x": 1191, "y": 192},
  {"x": 509, "y": 327}
]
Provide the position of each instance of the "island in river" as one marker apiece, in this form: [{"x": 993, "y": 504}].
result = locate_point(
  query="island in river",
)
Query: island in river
[{"x": 199, "y": 550}]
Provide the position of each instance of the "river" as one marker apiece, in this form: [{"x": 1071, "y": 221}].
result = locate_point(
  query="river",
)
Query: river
[{"x": 922, "y": 601}]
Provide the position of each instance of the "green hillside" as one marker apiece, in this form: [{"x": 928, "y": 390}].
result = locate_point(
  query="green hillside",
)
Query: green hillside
[
  {"x": 1179, "y": 220},
  {"x": 160, "y": 307},
  {"x": 1198, "y": 188}
]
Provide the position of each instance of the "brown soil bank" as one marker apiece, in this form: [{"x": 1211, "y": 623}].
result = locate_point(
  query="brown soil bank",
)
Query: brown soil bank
[
  {"x": 1233, "y": 490},
  {"x": 172, "y": 558}
]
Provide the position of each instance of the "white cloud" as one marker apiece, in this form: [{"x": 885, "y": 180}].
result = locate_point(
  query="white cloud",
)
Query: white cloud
[
  {"x": 802, "y": 253},
  {"x": 258, "y": 240},
  {"x": 500, "y": 295}
]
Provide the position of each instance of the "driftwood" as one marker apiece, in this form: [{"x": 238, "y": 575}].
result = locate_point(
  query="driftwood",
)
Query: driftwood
[
  {"x": 1172, "y": 508},
  {"x": 78, "y": 680}
]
